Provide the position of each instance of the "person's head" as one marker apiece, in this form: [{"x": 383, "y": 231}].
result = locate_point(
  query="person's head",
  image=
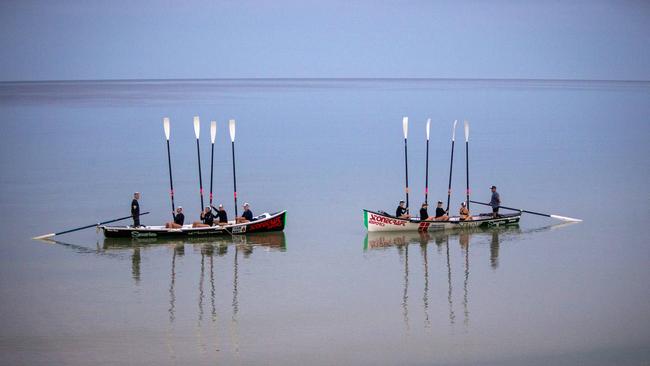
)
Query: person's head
[
  {"x": 402, "y": 203},
  {"x": 136, "y": 195},
  {"x": 425, "y": 205},
  {"x": 462, "y": 204},
  {"x": 439, "y": 203},
  {"x": 179, "y": 209},
  {"x": 493, "y": 188},
  {"x": 207, "y": 209},
  {"x": 246, "y": 206},
  {"x": 220, "y": 207}
]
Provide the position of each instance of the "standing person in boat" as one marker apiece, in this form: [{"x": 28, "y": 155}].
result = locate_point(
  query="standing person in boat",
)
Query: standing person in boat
[
  {"x": 464, "y": 212},
  {"x": 207, "y": 218},
  {"x": 495, "y": 202},
  {"x": 402, "y": 211},
  {"x": 441, "y": 214},
  {"x": 424, "y": 214},
  {"x": 179, "y": 219},
  {"x": 135, "y": 209},
  {"x": 222, "y": 215},
  {"x": 246, "y": 216}
]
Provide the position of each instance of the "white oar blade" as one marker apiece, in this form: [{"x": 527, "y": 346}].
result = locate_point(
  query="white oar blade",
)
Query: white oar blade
[
  {"x": 197, "y": 127},
  {"x": 213, "y": 130},
  {"x": 466, "y": 131},
  {"x": 231, "y": 126},
  {"x": 405, "y": 126},
  {"x": 564, "y": 218},
  {"x": 428, "y": 127},
  {"x": 166, "y": 127},
  {"x": 43, "y": 236},
  {"x": 453, "y": 131}
]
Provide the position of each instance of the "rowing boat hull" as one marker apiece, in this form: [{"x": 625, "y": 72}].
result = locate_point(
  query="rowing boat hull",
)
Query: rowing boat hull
[
  {"x": 270, "y": 223},
  {"x": 376, "y": 222}
]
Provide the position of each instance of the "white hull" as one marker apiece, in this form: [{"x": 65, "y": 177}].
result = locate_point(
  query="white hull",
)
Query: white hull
[{"x": 378, "y": 222}]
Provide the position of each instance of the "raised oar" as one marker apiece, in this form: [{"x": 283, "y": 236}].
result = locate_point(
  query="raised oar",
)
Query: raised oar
[
  {"x": 451, "y": 163},
  {"x": 85, "y": 227},
  {"x": 426, "y": 180},
  {"x": 564, "y": 218},
  {"x": 213, "y": 134},
  {"x": 231, "y": 125},
  {"x": 169, "y": 162},
  {"x": 405, "y": 128},
  {"x": 467, "y": 159},
  {"x": 197, "y": 130}
]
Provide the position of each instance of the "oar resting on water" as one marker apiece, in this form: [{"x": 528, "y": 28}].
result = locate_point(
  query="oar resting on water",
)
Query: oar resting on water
[
  {"x": 84, "y": 227},
  {"x": 564, "y": 218}
]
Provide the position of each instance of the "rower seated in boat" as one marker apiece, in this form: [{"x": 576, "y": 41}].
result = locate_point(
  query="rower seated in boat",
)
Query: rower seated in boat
[
  {"x": 424, "y": 214},
  {"x": 246, "y": 216},
  {"x": 179, "y": 219},
  {"x": 207, "y": 218},
  {"x": 464, "y": 212},
  {"x": 441, "y": 214},
  {"x": 402, "y": 212},
  {"x": 221, "y": 215}
]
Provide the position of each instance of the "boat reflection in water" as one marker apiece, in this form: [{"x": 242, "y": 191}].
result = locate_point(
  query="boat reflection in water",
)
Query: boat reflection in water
[
  {"x": 208, "y": 247},
  {"x": 378, "y": 241}
]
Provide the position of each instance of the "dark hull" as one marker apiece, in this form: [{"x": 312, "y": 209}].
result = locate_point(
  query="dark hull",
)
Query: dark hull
[{"x": 274, "y": 222}]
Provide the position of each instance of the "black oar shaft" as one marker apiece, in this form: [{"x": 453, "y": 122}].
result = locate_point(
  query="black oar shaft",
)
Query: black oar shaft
[
  {"x": 234, "y": 177},
  {"x": 513, "y": 209},
  {"x": 101, "y": 223},
  {"x": 198, "y": 153},
  {"x": 406, "y": 165},
  {"x": 171, "y": 181},
  {"x": 451, "y": 167},
  {"x": 467, "y": 170},
  {"x": 211, "y": 172},
  {"x": 426, "y": 180}
]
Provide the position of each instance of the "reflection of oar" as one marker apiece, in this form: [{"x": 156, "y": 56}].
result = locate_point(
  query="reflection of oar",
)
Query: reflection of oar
[
  {"x": 564, "y": 218},
  {"x": 84, "y": 227}
]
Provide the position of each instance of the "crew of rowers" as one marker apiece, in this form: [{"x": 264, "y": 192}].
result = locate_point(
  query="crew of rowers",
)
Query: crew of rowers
[
  {"x": 441, "y": 214},
  {"x": 208, "y": 218}
]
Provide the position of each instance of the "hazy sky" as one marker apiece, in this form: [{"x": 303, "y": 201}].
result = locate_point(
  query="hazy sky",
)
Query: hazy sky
[{"x": 89, "y": 39}]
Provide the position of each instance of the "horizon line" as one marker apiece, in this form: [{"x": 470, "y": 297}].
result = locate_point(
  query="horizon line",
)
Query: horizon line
[{"x": 159, "y": 80}]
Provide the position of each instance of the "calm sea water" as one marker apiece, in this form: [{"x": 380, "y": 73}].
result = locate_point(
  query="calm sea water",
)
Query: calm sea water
[{"x": 325, "y": 292}]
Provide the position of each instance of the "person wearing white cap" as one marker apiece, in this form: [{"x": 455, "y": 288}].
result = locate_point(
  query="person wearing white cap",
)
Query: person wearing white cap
[
  {"x": 179, "y": 219},
  {"x": 464, "y": 212},
  {"x": 402, "y": 211},
  {"x": 246, "y": 216},
  {"x": 222, "y": 215},
  {"x": 135, "y": 209}
]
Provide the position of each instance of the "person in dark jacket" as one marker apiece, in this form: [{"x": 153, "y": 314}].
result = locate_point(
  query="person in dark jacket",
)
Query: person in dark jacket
[
  {"x": 207, "y": 218},
  {"x": 221, "y": 215},
  {"x": 402, "y": 211},
  {"x": 495, "y": 202},
  {"x": 424, "y": 214},
  {"x": 135, "y": 209},
  {"x": 441, "y": 214},
  {"x": 179, "y": 219},
  {"x": 246, "y": 216}
]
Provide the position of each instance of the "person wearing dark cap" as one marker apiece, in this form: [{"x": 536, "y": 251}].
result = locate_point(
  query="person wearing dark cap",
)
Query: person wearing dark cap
[
  {"x": 441, "y": 214},
  {"x": 402, "y": 212},
  {"x": 495, "y": 202},
  {"x": 424, "y": 214},
  {"x": 179, "y": 219},
  {"x": 207, "y": 218},
  {"x": 135, "y": 209}
]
